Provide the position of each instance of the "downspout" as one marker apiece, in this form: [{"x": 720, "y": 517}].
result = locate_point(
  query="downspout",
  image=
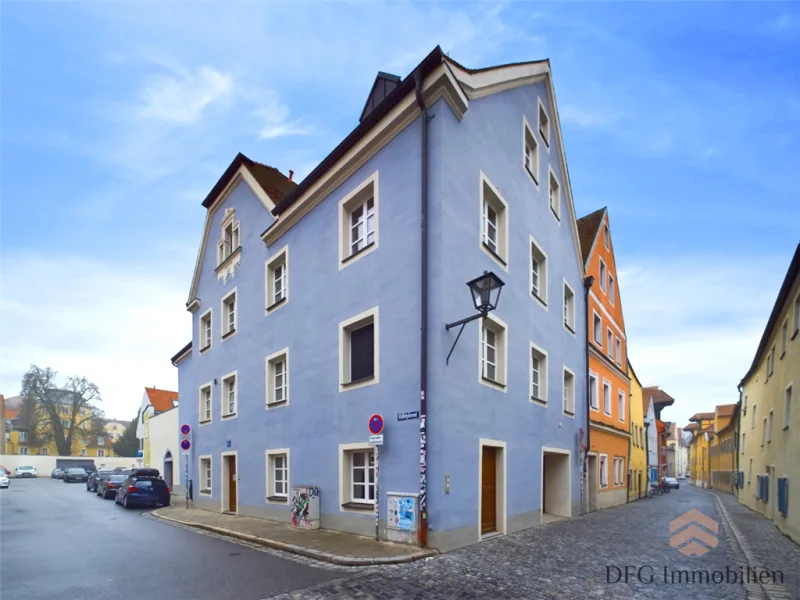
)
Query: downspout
[
  {"x": 587, "y": 286},
  {"x": 738, "y": 431},
  {"x": 630, "y": 439},
  {"x": 647, "y": 455},
  {"x": 422, "y": 531}
]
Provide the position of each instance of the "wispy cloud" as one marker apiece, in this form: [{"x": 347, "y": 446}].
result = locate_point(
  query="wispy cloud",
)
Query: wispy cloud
[
  {"x": 181, "y": 96},
  {"x": 275, "y": 119}
]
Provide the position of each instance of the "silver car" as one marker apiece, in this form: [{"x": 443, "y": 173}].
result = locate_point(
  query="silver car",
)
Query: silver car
[{"x": 25, "y": 472}]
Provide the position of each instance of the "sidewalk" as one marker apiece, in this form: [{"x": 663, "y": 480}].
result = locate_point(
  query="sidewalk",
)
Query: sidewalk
[{"x": 319, "y": 544}]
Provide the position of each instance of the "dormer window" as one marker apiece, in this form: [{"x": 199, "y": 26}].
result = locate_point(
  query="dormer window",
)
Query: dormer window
[{"x": 230, "y": 239}]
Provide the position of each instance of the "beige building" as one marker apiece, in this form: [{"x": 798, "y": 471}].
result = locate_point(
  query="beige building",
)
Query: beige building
[
  {"x": 164, "y": 453},
  {"x": 769, "y": 439}
]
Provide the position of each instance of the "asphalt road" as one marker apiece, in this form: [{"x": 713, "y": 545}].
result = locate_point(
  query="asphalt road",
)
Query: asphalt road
[{"x": 58, "y": 541}]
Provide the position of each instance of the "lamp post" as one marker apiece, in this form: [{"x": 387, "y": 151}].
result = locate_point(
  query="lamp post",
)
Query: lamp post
[{"x": 485, "y": 292}]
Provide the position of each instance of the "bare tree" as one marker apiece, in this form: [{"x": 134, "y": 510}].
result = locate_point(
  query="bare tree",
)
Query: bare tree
[{"x": 67, "y": 413}]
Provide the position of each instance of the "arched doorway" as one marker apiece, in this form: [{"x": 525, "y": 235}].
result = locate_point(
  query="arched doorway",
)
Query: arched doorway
[{"x": 168, "y": 468}]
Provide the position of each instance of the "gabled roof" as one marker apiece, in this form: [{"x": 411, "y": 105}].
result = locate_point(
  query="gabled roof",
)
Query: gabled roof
[
  {"x": 181, "y": 353},
  {"x": 160, "y": 400},
  {"x": 383, "y": 86},
  {"x": 697, "y": 417},
  {"x": 692, "y": 427},
  {"x": 660, "y": 397},
  {"x": 726, "y": 410},
  {"x": 274, "y": 183},
  {"x": 783, "y": 297},
  {"x": 588, "y": 228}
]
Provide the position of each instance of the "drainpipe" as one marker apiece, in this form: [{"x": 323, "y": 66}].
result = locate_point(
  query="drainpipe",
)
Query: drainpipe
[
  {"x": 647, "y": 455},
  {"x": 422, "y": 531},
  {"x": 587, "y": 286},
  {"x": 630, "y": 440},
  {"x": 738, "y": 431}
]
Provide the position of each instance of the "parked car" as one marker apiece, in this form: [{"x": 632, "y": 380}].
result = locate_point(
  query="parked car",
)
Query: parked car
[
  {"x": 93, "y": 479},
  {"x": 107, "y": 487},
  {"x": 671, "y": 482},
  {"x": 20, "y": 472},
  {"x": 75, "y": 474},
  {"x": 143, "y": 487},
  {"x": 5, "y": 471},
  {"x": 4, "y": 480},
  {"x": 57, "y": 474}
]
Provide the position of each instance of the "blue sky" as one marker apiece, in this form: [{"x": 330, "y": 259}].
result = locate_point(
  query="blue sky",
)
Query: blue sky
[{"x": 118, "y": 118}]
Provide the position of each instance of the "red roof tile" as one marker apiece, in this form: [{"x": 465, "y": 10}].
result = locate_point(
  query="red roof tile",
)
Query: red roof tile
[
  {"x": 726, "y": 410},
  {"x": 161, "y": 399},
  {"x": 701, "y": 417},
  {"x": 692, "y": 427},
  {"x": 659, "y": 396}
]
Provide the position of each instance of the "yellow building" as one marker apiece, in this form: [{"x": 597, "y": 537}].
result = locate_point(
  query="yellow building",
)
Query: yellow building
[
  {"x": 115, "y": 428},
  {"x": 722, "y": 453},
  {"x": 702, "y": 428},
  {"x": 638, "y": 452},
  {"x": 24, "y": 442},
  {"x": 769, "y": 425}
]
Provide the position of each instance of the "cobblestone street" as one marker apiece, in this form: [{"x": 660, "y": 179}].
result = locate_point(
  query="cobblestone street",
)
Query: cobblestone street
[{"x": 577, "y": 559}]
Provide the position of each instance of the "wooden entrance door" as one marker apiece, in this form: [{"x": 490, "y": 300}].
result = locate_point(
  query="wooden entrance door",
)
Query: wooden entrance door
[
  {"x": 488, "y": 489},
  {"x": 231, "y": 483}
]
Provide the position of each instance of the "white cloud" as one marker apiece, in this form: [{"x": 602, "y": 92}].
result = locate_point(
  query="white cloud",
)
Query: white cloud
[
  {"x": 116, "y": 324},
  {"x": 274, "y": 117},
  {"x": 181, "y": 96}
]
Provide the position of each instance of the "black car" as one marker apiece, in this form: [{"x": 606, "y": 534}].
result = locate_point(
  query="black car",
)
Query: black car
[
  {"x": 107, "y": 486},
  {"x": 93, "y": 478},
  {"x": 144, "y": 487},
  {"x": 75, "y": 474},
  {"x": 57, "y": 474}
]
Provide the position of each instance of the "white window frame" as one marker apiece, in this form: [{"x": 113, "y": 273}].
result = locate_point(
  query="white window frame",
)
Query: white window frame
[
  {"x": 541, "y": 354},
  {"x": 202, "y": 413},
  {"x": 273, "y": 496},
  {"x": 597, "y": 327},
  {"x": 568, "y": 391},
  {"x": 224, "y": 397},
  {"x": 100, "y": 453},
  {"x": 24, "y": 451},
  {"x": 101, "y": 440},
  {"x": 202, "y": 336},
  {"x": 500, "y": 328},
  {"x": 621, "y": 403},
  {"x": 603, "y": 276},
  {"x": 281, "y": 356},
  {"x": 46, "y": 451},
  {"x": 205, "y": 476},
  {"x": 369, "y": 188},
  {"x": 345, "y": 327},
  {"x": 607, "y": 397},
  {"x": 594, "y": 394},
  {"x": 544, "y": 131},
  {"x": 498, "y": 204},
  {"x": 568, "y": 312},
  {"x": 618, "y": 345},
  {"x": 224, "y": 253},
  {"x": 610, "y": 343},
  {"x": 551, "y": 179},
  {"x": 529, "y": 141},
  {"x": 278, "y": 260},
  {"x": 612, "y": 290},
  {"x": 346, "y": 452},
  {"x": 540, "y": 257},
  {"x": 226, "y": 331},
  {"x": 602, "y": 467}
]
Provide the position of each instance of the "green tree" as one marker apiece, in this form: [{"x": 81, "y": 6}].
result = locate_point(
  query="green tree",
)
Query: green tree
[{"x": 128, "y": 443}]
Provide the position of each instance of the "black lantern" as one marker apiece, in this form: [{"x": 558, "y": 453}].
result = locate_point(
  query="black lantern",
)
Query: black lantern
[{"x": 485, "y": 292}]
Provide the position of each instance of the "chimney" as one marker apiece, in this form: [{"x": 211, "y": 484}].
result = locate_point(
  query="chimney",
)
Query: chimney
[{"x": 291, "y": 173}]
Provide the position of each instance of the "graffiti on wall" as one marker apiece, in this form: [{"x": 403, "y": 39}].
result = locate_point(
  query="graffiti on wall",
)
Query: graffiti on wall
[{"x": 301, "y": 498}]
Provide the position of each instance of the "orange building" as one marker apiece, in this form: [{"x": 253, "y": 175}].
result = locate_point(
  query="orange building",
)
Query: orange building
[{"x": 609, "y": 383}]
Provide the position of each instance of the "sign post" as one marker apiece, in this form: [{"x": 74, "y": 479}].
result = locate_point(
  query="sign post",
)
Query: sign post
[
  {"x": 376, "y": 440},
  {"x": 186, "y": 446}
]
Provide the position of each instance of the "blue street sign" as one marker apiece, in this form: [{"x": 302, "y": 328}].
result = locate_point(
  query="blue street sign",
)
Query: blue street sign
[
  {"x": 140, "y": 454},
  {"x": 406, "y": 416}
]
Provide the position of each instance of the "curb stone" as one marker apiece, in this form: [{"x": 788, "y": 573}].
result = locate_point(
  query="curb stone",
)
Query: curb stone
[{"x": 349, "y": 561}]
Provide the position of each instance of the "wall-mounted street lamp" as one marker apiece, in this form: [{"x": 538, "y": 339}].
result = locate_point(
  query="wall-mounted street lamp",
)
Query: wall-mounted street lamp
[{"x": 485, "y": 292}]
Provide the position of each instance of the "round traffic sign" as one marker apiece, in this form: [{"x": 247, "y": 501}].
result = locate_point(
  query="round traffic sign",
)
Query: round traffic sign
[
  {"x": 185, "y": 429},
  {"x": 375, "y": 424},
  {"x": 185, "y": 444}
]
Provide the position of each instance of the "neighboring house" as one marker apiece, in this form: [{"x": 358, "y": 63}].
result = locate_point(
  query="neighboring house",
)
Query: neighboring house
[
  {"x": 702, "y": 428},
  {"x": 651, "y": 438},
  {"x": 115, "y": 428},
  {"x": 154, "y": 401},
  {"x": 661, "y": 400},
  {"x": 638, "y": 467},
  {"x": 163, "y": 430},
  {"x": 769, "y": 459},
  {"x": 308, "y": 301},
  {"x": 722, "y": 453},
  {"x": 677, "y": 453},
  {"x": 609, "y": 384}
]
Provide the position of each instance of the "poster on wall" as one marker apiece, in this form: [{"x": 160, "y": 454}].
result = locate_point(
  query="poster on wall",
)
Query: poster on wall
[{"x": 402, "y": 512}]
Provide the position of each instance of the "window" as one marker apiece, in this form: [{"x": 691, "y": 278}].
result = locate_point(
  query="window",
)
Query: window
[
  {"x": 64, "y": 410},
  {"x": 605, "y": 235},
  {"x": 764, "y": 432},
  {"x": 544, "y": 124},
  {"x": 569, "y": 392},
  {"x": 750, "y": 471},
  {"x": 753, "y": 421},
  {"x": 358, "y": 222},
  {"x": 277, "y": 279},
  {"x": 44, "y": 451},
  {"x": 621, "y": 405},
  {"x": 23, "y": 436},
  {"x": 743, "y": 438},
  {"x": 606, "y": 397},
  {"x": 101, "y": 453},
  {"x": 205, "y": 331},
  {"x": 278, "y": 475},
  {"x": 796, "y": 315},
  {"x": 784, "y": 335},
  {"x": 229, "y": 392},
  {"x": 787, "y": 407},
  {"x": 229, "y": 314},
  {"x": 205, "y": 403},
  {"x": 538, "y": 374},
  {"x": 65, "y": 423},
  {"x": 555, "y": 196},
  {"x": 569, "y": 308},
  {"x": 205, "y": 475},
  {"x": 24, "y": 451},
  {"x": 362, "y": 476},
  {"x": 603, "y": 276},
  {"x": 610, "y": 342},
  {"x": 538, "y": 272},
  {"x": 619, "y": 471},
  {"x": 619, "y": 351},
  {"x": 593, "y": 393},
  {"x": 603, "y": 470},
  {"x": 278, "y": 378},
  {"x": 612, "y": 293},
  {"x": 530, "y": 152},
  {"x": 83, "y": 451},
  {"x": 359, "y": 350},
  {"x": 101, "y": 440},
  {"x": 598, "y": 329},
  {"x": 46, "y": 438},
  {"x": 494, "y": 223},
  {"x": 769, "y": 428},
  {"x": 494, "y": 346}
]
